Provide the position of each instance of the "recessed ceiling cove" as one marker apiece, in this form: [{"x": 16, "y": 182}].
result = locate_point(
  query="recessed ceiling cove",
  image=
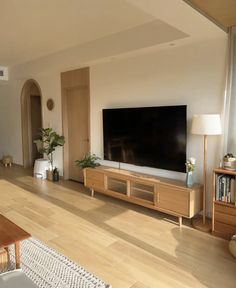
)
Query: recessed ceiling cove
[{"x": 33, "y": 29}]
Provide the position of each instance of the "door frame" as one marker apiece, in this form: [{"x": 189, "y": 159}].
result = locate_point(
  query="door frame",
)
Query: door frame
[
  {"x": 69, "y": 80},
  {"x": 26, "y": 121}
]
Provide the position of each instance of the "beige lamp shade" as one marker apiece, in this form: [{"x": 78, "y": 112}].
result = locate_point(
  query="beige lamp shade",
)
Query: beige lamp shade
[{"x": 206, "y": 124}]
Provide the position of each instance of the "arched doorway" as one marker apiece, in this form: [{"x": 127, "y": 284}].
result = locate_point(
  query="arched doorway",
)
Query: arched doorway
[{"x": 31, "y": 119}]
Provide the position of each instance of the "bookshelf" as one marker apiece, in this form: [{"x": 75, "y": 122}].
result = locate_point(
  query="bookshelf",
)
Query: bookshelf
[{"x": 224, "y": 203}]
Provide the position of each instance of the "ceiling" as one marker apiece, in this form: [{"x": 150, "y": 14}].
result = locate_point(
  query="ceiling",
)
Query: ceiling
[
  {"x": 222, "y": 12},
  {"x": 32, "y": 29}
]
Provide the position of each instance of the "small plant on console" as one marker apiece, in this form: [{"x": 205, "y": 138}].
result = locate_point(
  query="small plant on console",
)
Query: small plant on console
[{"x": 89, "y": 160}]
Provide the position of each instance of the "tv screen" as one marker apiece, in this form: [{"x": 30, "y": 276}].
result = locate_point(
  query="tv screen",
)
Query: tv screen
[{"x": 147, "y": 136}]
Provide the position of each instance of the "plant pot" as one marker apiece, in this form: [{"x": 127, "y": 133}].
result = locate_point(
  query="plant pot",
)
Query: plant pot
[
  {"x": 230, "y": 163},
  {"x": 50, "y": 175}
]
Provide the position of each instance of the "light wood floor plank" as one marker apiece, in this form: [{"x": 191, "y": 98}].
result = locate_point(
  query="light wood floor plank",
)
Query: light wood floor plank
[
  {"x": 139, "y": 285},
  {"x": 125, "y": 245}
]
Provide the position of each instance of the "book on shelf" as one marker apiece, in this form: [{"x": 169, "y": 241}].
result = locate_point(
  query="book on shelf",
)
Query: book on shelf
[{"x": 225, "y": 191}]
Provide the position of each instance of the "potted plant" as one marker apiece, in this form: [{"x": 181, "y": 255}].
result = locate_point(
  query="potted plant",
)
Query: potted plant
[
  {"x": 88, "y": 160},
  {"x": 230, "y": 161},
  {"x": 50, "y": 140}
]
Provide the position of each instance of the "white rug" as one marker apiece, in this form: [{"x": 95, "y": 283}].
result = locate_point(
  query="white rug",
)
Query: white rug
[{"x": 50, "y": 269}]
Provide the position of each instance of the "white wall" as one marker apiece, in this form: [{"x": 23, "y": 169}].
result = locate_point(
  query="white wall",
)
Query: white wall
[
  {"x": 10, "y": 113},
  {"x": 10, "y": 129},
  {"x": 192, "y": 74},
  {"x": 231, "y": 97}
]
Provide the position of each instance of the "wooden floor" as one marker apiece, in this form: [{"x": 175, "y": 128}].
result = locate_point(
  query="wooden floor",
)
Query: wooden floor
[{"x": 125, "y": 245}]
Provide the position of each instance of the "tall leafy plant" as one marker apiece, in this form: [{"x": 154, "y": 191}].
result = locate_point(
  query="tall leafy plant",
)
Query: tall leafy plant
[{"x": 50, "y": 140}]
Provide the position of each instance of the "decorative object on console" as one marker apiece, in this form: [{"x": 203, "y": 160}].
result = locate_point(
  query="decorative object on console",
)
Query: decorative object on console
[
  {"x": 189, "y": 179},
  {"x": 229, "y": 162},
  {"x": 190, "y": 165},
  {"x": 89, "y": 160},
  {"x": 205, "y": 124}
]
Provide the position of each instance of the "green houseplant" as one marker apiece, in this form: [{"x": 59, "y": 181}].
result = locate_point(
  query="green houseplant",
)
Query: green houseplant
[
  {"x": 88, "y": 160},
  {"x": 229, "y": 161},
  {"x": 50, "y": 141}
]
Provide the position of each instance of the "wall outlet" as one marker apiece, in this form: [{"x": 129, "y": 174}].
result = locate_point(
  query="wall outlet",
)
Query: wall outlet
[{"x": 3, "y": 73}]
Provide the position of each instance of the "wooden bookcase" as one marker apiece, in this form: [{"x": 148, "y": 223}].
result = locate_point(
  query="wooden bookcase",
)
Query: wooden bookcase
[
  {"x": 161, "y": 194},
  {"x": 224, "y": 203}
]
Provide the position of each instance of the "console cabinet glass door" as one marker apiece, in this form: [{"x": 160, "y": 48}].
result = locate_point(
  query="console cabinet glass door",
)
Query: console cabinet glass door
[
  {"x": 117, "y": 185},
  {"x": 142, "y": 191}
]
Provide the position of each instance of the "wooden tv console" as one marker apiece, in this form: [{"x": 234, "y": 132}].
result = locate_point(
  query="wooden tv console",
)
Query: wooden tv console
[{"x": 161, "y": 194}]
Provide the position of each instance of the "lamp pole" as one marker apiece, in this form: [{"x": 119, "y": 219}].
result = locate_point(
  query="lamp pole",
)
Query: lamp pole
[
  {"x": 204, "y": 125},
  {"x": 204, "y": 179}
]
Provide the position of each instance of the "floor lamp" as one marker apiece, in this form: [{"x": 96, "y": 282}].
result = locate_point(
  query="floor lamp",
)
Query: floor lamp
[{"x": 205, "y": 125}]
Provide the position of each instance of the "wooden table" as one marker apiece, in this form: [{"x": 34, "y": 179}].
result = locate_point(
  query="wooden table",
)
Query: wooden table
[{"x": 10, "y": 234}]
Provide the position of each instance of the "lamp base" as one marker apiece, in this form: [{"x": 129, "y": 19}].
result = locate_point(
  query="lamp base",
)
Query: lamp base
[{"x": 199, "y": 225}]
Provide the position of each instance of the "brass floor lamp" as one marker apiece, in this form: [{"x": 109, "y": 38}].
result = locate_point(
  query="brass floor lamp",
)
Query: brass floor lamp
[{"x": 205, "y": 125}]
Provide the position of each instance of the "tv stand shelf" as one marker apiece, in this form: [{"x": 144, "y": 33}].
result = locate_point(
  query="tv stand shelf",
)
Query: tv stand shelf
[{"x": 157, "y": 193}]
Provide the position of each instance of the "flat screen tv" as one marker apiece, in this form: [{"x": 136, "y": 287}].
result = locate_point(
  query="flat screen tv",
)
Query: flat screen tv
[{"x": 146, "y": 136}]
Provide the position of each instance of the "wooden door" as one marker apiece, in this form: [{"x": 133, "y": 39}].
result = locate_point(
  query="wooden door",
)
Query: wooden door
[{"x": 77, "y": 103}]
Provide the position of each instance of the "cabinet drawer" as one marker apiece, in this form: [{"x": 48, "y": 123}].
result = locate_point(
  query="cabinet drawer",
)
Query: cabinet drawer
[
  {"x": 225, "y": 215},
  {"x": 173, "y": 199},
  {"x": 225, "y": 209},
  {"x": 224, "y": 230},
  {"x": 94, "y": 179}
]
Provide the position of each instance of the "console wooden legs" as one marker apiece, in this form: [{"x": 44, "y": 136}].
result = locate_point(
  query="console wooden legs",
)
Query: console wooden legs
[
  {"x": 17, "y": 254},
  {"x": 180, "y": 221},
  {"x": 92, "y": 192}
]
